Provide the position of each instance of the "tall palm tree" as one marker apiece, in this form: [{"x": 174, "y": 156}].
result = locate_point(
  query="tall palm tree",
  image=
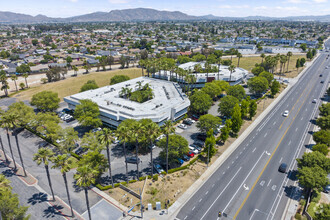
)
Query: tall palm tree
[
  {"x": 123, "y": 134},
  {"x": 167, "y": 129},
  {"x": 44, "y": 156},
  {"x": 137, "y": 130},
  {"x": 152, "y": 132},
  {"x": 231, "y": 68},
  {"x": 6, "y": 123},
  {"x": 85, "y": 177},
  {"x": 14, "y": 78},
  {"x": 26, "y": 75},
  {"x": 64, "y": 163},
  {"x": 239, "y": 56},
  {"x": 106, "y": 137},
  {"x": 4, "y": 82},
  {"x": 262, "y": 57},
  {"x": 289, "y": 55},
  {"x": 1, "y": 143}
]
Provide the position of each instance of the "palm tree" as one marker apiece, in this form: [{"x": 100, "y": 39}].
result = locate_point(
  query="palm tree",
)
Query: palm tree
[
  {"x": 231, "y": 68},
  {"x": 45, "y": 155},
  {"x": 106, "y": 137},
  {"x": 75, "y": 70},
  {"x": 167, "y": 129},
  {"x": 141, "y": 64},
  {"x": 123, "y": 134},
  {"x": 26, "y": 75},
  {"x": 6, "y": 123},
  {"x": 138, "y": 130},
  {"x": 239, "y": 56},
  {"x": 64, "y": 163},
  {"x": 14, "y": 78},
  {"x": 85, "y": 177},
  {"x": 262, "y": 57},
  {"x": 289, "y": 54},
  {"x": 4, "y": 82},
  {"x": 1, "y": 143},
  {"x": 152, "y": 132},
  {"x": 110, "y": 60}
]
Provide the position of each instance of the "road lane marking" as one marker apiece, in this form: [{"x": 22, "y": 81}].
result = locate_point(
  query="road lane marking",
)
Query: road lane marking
[
  {"x": 264, "y": 168},
  {"x": 221, "y": 193},
  {"x": 200, "y": 200},
  {"x": 232, "y": 162},
  {"x": 206, "y": 192},
  {"x": 193, "y": 208},
  {"x": 243, "y": 182},
  {"x": 223, "y": 173},
  {"x": 267, "y": 153},
  {"x": 274, "y": 123},
  {"x": 296, "y": 129},
  {"x": 213, "y": 185},
  {"x": 228, "y": 167},
  {"x": 281, "y": 159},
  {"x": 273, "y": 187},
  {"x": 289, "y": 142},
  {"x": 269, "y": 182},
  {"x": 265, "y": 135},
  {"x": 262, "y": 183},
  {"x": 185, "y": 217},
  {"x": 302, "y": 118},
  {"x": 245, "y": 187},
  {"x": 247, "y": 144},
  {"x": 236, "y": 157},
  {"x": 254, "y": 149}
]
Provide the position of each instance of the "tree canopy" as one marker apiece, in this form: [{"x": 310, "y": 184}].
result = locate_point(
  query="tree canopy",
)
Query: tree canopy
[
  {"x": 200, "y": 102},
  {"x": 178, "y": 146},
  {"x": 118, "y": 78},
  {"x": 227, "y": 104},
  {"x": 322, "y": 137},
  {"x": 258, "y": 84},
  {"x": 46, "y": 101},
  {"x": 208, "y": 122},
  {"x": 89, "y": 85},
  {"x": 87, "y": 113},
  {"x": 237, "y": 91}
]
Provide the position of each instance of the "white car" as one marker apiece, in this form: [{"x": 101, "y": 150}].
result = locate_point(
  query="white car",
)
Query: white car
[
  {"x": 160, "y": 137},
  {"x": 96, "y": 129},
  {"x": 286, "y": 113},
  {"x": 192, "y": 149},
  {"x": 183, "y": 126}
]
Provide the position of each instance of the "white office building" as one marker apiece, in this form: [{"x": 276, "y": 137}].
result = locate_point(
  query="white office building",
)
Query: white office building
[{"x": 168, "y": 103}]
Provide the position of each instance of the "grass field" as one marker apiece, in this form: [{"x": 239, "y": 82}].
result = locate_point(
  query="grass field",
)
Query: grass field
[
  {"x": 72, "y": 85},
  {"x": 249, "y": 62}
]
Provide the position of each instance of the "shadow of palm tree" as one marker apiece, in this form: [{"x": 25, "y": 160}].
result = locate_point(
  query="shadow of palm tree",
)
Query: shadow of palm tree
[
  {"x": 8, "y": 173},
  {"x": 76, "y": 188},
  {"x": 37, "y": 198},
  {"x": 52, "y": 211}
]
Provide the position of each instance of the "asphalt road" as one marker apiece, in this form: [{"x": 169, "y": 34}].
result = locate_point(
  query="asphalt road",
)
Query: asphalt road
[{"x": 248, "y": 184}]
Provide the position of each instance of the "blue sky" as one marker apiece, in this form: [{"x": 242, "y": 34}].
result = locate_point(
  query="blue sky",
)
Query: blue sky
[{"x": 236, "y": 8}]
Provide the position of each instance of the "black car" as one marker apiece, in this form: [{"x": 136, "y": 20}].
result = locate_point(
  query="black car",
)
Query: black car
[
  {"x": 321, "y": 75},
  {"x": 187, "y": 122},
  {"x": 80, "y": 150},
  {"x": 132, "y": 160},
  {"x": 201, "y": 136},
  {"x": 283, "y": 168},
  {"x": 186, "y": 158},
  {"x": 322, "y": 81}
]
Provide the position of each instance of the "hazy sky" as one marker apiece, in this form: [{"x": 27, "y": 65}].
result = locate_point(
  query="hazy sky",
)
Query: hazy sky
[{"x": 236, "y": 8}]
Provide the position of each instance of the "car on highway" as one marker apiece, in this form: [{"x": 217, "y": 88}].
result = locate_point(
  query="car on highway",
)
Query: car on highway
[
  {"x": 322, "y": 81},
  {"x": 132, "y": 160},
  {"x": 190, "y": 154},
  {"x": 286, "y": 113},
  {"x": 321, "y": 75},
  {"x": 314, "y": 101},
  {"x": 282, "y": 168},
  {"x": 158, "y": 168},
  {"x": 183, "y": 126}
]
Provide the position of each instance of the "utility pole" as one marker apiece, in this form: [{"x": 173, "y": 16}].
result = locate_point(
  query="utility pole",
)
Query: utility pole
[{"x": 141, "y": 203}]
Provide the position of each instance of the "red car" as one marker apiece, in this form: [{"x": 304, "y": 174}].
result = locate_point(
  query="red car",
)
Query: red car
[{"x": 190, "y": 154}]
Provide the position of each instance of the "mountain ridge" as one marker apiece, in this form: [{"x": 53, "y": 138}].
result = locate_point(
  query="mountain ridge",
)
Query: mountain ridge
[{"x": 141, "y": 14}]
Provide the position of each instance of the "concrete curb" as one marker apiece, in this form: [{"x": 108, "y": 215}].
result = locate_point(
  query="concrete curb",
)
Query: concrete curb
[{"x": 175, "y": 208}]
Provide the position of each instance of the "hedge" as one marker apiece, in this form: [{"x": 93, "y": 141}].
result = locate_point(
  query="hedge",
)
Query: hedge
[{"x": 184, "y": 167}]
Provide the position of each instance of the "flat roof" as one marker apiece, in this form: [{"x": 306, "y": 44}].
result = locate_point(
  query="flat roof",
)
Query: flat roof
[{"x": 167, "y": 95}]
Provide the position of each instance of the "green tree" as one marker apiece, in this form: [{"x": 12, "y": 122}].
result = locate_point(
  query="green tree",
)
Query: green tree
[
  {"x": 226, "y": 105},
  {"x": 69, "y": 60},
  {"x": 312, "y": 177},
  {"x": 325, "y": 213},
  {"x": 275, "y": 88},
  {"x": 68, "y": 138},
  {"x": 314, "y": 159},
  {"x": 303, "y": 47},
  {"x": 258, "y": 85},
  {"x": 23, "y": 68},
  {"x": 209, "y": 145},
  {"x": 106, "y": 137},
  {"x": 236, "y": 119},
  {"x": 46, "y": 101},
  {"x": 289, "y": 55},
  {"x": 14, "y": 78},
  {"x": 224, "y": 133},
  {"x": 96, "y": 160},
  {"x": 123, "y": 133},
  {"x": 87, "y": 113},
  {"x": 323, "y": 122},
  {"x": 85, "y": 177},
  {"x": 212, "y": 90},
  {"x": 118, "y": 79},
  {"x": 64, "y": 163},
  {"x": 26, "y": 75},
  {"x": 168, "y": 129},
  {"x": 89, "y": 85},
  {"x": 257, "y": 70},
  {"x": 237, "y": 91},
  {"x": 35, "y": 42},
  {"x": 244, "y": 108},
  {"x": 152, "y": 131},
  {"x": 200, "y": 102},
  {"x": 322, "y": 148},
  {"x": 223, "y": 85},
  {"x": 44, "y": 156},
  {"x": 6, "y": 123},
  {"x": 322, "y": 137},
  {"x": 253, "y": 108},
  {"x": 22, "y": 85},
  {"x": 178, "y": 146},
  {"x": 325, "y": 109},
  {"x": 268, "y": 76},
  {"x": 208, "y": 122}
]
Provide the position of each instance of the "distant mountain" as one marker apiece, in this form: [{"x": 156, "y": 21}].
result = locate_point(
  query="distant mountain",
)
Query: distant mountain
[{"x": 141, "y": 14}]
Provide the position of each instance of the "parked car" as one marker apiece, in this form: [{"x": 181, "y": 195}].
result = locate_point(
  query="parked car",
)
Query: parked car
[
  {"x": 314, "y": 101},
  {"x": 321, "y": 75},
  {"x": 192, "y": 149},
  {"x": 158, "y": 168},
  {"x": 198, "y": 148},
  {"x": 199, "y": 144},
  {"x": 96, "y": 129},
  {"x": 201, "y": 136},
  {"x": 286, "y": 113},
  {"x": 186, "y": 158},
  {"x": 180, "y": 161},
  {"x": 43, "y": 144},
  {"x": 195, "y": 117},
  {"x": 188, "y": 121},
  {"x": 283, "y": 167},
  {"x": 132, "y": 160},
  {"x": 327, "y": 189},
  {"x": 190, "y": 154},
  {"x": 160, "y": 137},
  {"x": 183, "y": 126}
]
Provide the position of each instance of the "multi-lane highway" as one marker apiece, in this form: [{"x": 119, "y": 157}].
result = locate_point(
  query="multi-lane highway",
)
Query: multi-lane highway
[{"x": 248, "y": 185}]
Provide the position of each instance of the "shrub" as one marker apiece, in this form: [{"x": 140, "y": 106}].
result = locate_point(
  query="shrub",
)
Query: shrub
[
  {"x": 297, "y": 216},
  {"x": 316, "y": 196},
  {"x": 103, "y": 188},
  {"x": 142, "y": 178},
  {"x": 155, "y": 178},
  {"x": 132, "y": 181},
  {"x": 116, "y": 185}
]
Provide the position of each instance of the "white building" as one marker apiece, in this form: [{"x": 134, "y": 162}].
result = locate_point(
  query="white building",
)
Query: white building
[{"x": 168, "y": 103}]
